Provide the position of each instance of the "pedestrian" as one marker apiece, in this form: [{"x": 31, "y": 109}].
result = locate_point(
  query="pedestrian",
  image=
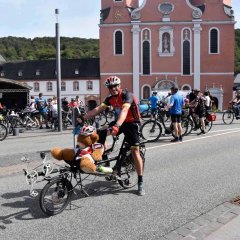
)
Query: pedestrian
[
  {"x": 176, "y": 105},
  {"x": 153, "y": 101},
  {"x": 41, "y": 106}
]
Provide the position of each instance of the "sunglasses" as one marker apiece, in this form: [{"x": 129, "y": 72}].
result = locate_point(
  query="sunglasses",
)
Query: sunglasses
[{"x": 113, "y": 86}]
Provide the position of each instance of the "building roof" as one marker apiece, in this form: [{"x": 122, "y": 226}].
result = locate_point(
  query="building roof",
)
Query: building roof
[{"x": 87, "y": 68}]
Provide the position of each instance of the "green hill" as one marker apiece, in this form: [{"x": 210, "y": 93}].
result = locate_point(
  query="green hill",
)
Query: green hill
[{"x": 14, "y": 48}]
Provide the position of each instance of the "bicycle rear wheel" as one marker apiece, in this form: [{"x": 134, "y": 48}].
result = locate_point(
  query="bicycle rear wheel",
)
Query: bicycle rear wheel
[
  {"x": 208, "y": 125},
  {"x": 3, "y": 132},
  {"x": 128, "y": 174},
  {"x": 55, "y": 196},
  {"x": 228, "y": 117},
  {"x": 151, "y": 130}
]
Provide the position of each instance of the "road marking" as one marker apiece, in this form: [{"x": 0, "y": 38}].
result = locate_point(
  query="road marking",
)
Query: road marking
[{"x": 196, "y": 139}]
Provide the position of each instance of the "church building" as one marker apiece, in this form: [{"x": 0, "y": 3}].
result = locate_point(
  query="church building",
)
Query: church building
[{"x": 157, "y": 44}]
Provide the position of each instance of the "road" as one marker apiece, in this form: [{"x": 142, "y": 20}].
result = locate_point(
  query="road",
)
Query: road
[{"x": 182, "y": 181}]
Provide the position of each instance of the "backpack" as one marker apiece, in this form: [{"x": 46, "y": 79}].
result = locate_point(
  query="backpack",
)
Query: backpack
[{"x": 40, "y": 104}]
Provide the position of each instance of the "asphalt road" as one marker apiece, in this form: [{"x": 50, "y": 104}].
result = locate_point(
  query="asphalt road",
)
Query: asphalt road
[{"x": 182, "y": 181}]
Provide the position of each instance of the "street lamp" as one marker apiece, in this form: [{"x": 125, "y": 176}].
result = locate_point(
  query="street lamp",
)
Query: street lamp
[{"x": 58, "y": 67}]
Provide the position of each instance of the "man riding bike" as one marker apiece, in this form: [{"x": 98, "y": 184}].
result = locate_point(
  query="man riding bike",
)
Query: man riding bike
[{"x": 127, "y": 121}]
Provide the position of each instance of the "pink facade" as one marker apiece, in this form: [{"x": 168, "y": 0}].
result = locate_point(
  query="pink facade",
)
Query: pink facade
[{"x": 159, "y": 44}]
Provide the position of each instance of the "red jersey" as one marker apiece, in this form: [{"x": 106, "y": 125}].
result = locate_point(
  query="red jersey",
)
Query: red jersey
[{"x": 117, "y": 102}]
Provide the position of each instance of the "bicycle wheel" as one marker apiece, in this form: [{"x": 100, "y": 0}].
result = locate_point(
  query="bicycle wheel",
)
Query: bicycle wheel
[
  {"x": 151, "y": 130},
  {"x": 208, "y": 125},
  {"x": 55, "y": 196},
  {"x": 128, "y": 174},
  {"x": 101, "y": 119},
  {"x": 228, "y": 117},
  {"x": 3, "y": 132}
]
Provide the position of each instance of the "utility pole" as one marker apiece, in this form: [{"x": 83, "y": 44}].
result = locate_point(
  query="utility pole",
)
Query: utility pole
[{"x": 58, "y": 70}]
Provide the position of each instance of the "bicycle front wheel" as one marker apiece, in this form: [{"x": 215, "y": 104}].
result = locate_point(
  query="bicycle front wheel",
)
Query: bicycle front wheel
[
  {"x": 3, "y": 132},
  {"x": 228, "y": 117},
  {"x": 55, "y": 196},
  {"x": 151, "y": 130},
  {"x": 128, "y": 174},
  {"x": 208, "y": 125}
]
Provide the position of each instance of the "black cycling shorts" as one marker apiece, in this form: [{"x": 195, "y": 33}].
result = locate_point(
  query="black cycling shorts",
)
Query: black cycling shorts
[
  {"x": 131, "y": 133},
  {"x": 176, "y": 118}
]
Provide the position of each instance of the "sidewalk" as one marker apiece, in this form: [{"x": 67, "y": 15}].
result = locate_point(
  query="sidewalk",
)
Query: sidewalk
[{"x": 221, "y": 223}]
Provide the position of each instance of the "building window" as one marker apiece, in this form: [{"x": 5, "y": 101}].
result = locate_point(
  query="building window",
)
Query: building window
[
  {"x": 75, "y": 86},
  {"x": 214, "y": 41},
  {"x": 146, "y": 58},
  {"x": 166, "y": 47},
  {"x": 2, "y": 73},
  {"x": 118, "y": 0},
  {"x": 118, "y": 42},
  {"x": 186, "y": 87},
  {"x": 63, "y": 86},
  {"x": 89, "y": 85},
  {"x": 76, "y": 71},
  {"x": 20, "y": 73},
  {"x": 37, "y": 72},
  {"x": 49, "y": 86},
  {"x": 186, "y": 51},
  {"x": 36, "y": 87},
  {"x": 146, "y": 92}
]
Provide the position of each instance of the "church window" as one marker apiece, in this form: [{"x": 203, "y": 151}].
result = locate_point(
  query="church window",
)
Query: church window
[
  {"x": 186, "y": 52},
  {"x": 146, "y": 60},
  {"x": 214, "y": 41},
  {"x": 146, "y": 92},
  {"x": 118, "y": 42}
]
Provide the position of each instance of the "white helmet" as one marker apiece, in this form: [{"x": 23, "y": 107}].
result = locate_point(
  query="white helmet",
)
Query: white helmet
[
  {"x": 112, "y": 80},
  {"x": 87, "y": 130}
]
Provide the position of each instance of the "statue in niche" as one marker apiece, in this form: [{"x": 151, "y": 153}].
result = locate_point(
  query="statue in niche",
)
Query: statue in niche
[{"x": 166, "y": 43}]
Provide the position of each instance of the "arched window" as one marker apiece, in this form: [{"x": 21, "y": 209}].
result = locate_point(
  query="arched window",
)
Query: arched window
[
  {"x": 186, "y": 52},
  {"x": 36, "y": 87},
  {"x": 75, "y": 86},
  {"x": 89, "y": 85},
  {"x": 63, "y": 86},
  {"x": 214, "y": 41},
  {"x": 146, "y": 92},
  {"x": 146, "y": 58},
  {"x": 49, "y": 86},
  {"x": 118, "y": 42},
  {"x": 166, "y": 42}
]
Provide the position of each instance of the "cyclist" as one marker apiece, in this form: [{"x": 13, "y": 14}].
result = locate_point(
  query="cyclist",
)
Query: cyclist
[
  {"x": 200, "y": 109},
  {"x": 176, "y": 104},
  {"x": 127, "y": 121},
  {"x": 153, "y": 101},
  {"x": 236, "y": 104}
]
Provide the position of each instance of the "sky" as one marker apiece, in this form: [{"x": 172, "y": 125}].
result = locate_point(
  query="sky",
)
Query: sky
[{"x": 77, "y": 18}]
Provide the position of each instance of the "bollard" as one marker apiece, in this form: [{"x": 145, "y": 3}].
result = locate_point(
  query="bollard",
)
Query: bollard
[{"x": 15, "y": 132}]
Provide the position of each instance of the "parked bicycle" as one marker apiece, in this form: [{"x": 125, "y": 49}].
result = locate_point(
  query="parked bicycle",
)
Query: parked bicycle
[
  {"x": 3, "y": 132},
  {"x": 193, "y": 121},
  {"x": 57, "y": 193},
  {"x": 152, "y": 129}
]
